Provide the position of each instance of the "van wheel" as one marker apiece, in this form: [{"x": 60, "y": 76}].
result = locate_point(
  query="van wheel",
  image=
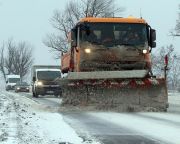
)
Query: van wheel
[{"x": 35, "y": 95}]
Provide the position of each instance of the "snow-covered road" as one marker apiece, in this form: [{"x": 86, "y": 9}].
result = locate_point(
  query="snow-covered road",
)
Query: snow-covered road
[
  {"x": 107, "y": 127},
  {"x": 131, "y": 128}
]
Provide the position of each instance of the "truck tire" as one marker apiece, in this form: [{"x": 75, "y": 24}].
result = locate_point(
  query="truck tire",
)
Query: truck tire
[
  {"x": 35, "y": 95},
  {"x": 58, "y": 94}
]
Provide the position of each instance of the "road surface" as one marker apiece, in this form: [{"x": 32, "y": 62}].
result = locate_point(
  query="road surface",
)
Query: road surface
[{"x": 122, "y": 128}]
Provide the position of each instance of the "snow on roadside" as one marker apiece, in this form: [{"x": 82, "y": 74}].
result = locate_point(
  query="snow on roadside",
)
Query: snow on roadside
[
  {"x": 174, "y": 98},
  {"x": 22, "y": 121}
]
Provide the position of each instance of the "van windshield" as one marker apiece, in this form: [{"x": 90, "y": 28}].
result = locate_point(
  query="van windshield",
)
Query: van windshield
[{"x": 48, "y": 75}]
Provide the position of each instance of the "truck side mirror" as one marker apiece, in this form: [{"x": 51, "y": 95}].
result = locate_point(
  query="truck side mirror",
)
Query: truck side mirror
[
  {"x": 153, "y": 34},
  {"x": 153, "y": 44},
  {"x": 34, "y": 79},
  {"x": 74, "y": 37},
  {"x": 152, "y": 39},
  {"x": 6, "y": 81}
]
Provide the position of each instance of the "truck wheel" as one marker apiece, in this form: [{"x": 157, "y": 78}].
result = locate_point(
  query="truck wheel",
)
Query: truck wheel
[
  {"x": 56, "y": 95},
  {"x": 59, "y": 94},
  {"x": 35, "y": 95}
]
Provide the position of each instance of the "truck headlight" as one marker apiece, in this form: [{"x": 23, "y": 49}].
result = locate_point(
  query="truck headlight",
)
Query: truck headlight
[
  {"x": 87, "y": 50},
  {"x": 145, "y": 51},
  {"x": 18, "y": 88},
  {"x": 39, "y": 83}
]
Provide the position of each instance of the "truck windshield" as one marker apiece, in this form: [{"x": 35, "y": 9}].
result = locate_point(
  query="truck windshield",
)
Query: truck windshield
[
  {"x": 48, "y": 75},
  {"x": 115, "y": 34},
  {"x": 14, "y": 80}
]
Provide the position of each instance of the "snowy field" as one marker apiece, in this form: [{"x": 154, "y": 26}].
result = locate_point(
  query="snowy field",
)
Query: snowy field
[{"x": 23, "y": 121}]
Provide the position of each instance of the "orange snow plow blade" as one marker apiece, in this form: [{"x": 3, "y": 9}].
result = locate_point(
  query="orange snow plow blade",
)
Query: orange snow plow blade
[{"x": 147, "y": 94}]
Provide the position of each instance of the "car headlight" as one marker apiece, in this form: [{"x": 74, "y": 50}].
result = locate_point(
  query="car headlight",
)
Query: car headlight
[
  {"x": 27, "y": 88},
  {"x": 87, "y": 50},
  {"x": 18, "y": 88},
  {"x": 145, "y": 51}
]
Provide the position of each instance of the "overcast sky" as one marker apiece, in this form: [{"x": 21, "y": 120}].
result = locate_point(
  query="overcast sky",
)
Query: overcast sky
[{"x": 28, "y": 20}]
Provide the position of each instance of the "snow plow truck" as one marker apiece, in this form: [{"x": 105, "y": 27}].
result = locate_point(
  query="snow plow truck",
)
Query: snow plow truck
[{"x": 108, "y": 66}]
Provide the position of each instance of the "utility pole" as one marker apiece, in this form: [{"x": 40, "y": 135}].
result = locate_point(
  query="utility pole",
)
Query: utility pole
[
  {"x": 166, "y": 66},
  {"x": 165, "y": 72}
]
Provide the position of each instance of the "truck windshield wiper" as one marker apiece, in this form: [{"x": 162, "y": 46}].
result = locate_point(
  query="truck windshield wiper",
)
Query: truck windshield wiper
[
  {"x": 127, "y": 44},
  {"x": 95, "y": 42},
  {"x": 137, "y": 43}
]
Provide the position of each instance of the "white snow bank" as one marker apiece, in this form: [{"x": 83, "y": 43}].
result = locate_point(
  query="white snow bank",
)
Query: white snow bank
[
  {"x": 24, "y": 121},
  {"x": 53, "y": 125}
]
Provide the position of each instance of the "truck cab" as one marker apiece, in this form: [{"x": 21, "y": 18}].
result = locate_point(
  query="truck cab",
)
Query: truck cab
[
  {"x": 109, "y": 44},
  {"x": 11, "y": 81}
]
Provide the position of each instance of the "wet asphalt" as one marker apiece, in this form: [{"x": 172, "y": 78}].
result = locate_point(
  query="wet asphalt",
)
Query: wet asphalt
[{"x": 106, "y": 132}]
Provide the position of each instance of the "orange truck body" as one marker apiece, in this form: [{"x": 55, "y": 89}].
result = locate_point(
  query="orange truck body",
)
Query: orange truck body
[{"x": 71, "y": 61}]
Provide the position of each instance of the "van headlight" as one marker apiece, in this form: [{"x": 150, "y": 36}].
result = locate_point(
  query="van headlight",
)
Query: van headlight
[
  {"x": 145, "y": 51},
  {"x": 39, "y": 83},
  {"x": 87, "y": 50}
]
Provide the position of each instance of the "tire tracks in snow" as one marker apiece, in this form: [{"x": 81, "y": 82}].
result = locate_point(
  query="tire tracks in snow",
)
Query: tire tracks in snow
[{"x": 161, "y": 120}]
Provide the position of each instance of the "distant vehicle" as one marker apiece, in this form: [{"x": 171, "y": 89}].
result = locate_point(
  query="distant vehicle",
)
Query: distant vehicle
[
  {"x": 11, "y": 81},
  {"x": 43, "y": 80},
  {"x": 21, "y": 87}
]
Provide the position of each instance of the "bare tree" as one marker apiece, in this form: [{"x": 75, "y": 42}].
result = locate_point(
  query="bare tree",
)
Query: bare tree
[
  {"x": 2, "y": 61},
  {"x": 23, "y": 59},
  {"x": 17, "y": 59},
  {"x": 178, "y": 24},
  {"x": 176, "y": 30},
  {"x": 158, "y": 59},
  {"x": 9, "y": 60},
  {"x": 63, "y": 21},
  {"x": 173, "y": 73}
]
